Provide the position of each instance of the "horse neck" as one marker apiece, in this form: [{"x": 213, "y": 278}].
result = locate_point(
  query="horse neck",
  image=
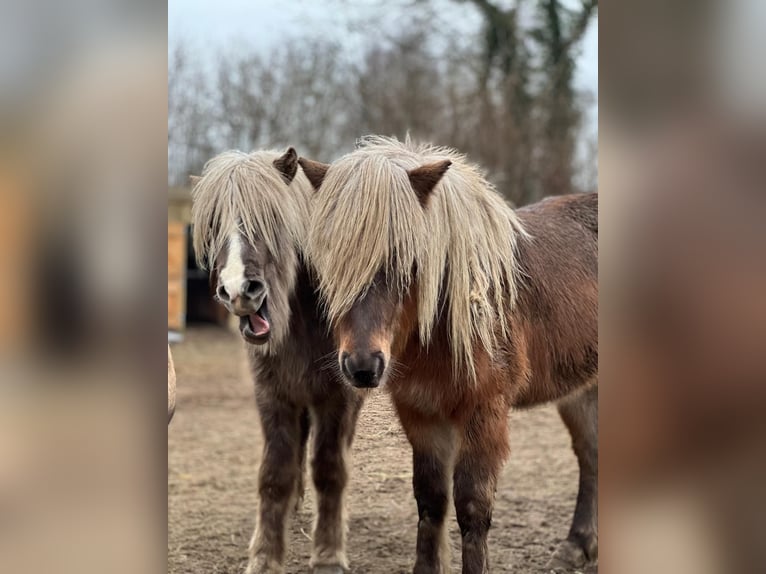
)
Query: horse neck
[{"x": 305, "y": 313}]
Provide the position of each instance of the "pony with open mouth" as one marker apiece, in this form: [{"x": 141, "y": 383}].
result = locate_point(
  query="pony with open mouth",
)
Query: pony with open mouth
[
  {"x": 250, "y": 213},
  {"x": 464, "y": 309}
]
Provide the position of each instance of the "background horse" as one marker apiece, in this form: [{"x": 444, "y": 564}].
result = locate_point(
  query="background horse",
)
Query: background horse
[
  {"x": 250, "y": 217},
  {"x": 465, "y": 309}
]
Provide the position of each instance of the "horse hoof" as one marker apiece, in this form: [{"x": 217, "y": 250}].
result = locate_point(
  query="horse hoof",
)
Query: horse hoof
[
  {"x": 328, "y": 570},
  {"x": 264, "y": 567},
  {"x": 569, "y": 557}
]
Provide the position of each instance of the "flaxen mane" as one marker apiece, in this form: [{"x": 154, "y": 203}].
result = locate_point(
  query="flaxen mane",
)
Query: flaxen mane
[
  {"x": 367, "y": 218},
  {"x": 246, "y": 190}
]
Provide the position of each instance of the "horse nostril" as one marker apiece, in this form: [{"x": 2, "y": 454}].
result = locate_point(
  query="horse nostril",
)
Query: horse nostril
[
  {"x": 253, "y": 289},
  {"x": 379, "y": 363},
  {"x": 222, "y": 294},
  {"x": 346, "y": 365}
]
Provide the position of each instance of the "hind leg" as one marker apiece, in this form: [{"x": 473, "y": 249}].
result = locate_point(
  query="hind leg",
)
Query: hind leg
[
  {"x": 484, "y": 448},
  {"x": 278, "y": 476},
  {"x": 580, "y": 414},
  {"x": 334, "y": 424}
]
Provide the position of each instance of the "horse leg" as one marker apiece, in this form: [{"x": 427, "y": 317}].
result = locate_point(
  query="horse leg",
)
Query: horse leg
[
  {"x": 431, "y": 482},
  {"x": 304, "y": 437},
  {"x": 485, "y": 446},
  {"x": 433, "y": 448},
  {"x": 580, "y": 414},
  {"x": 334, "y": 426},
  {"x": 279, "y": 474}
]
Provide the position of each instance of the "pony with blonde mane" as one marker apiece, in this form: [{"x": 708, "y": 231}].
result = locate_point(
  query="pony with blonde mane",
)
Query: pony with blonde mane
[
  {"x": 250, "y": 214},
  {"x": 464, "y": 308}
]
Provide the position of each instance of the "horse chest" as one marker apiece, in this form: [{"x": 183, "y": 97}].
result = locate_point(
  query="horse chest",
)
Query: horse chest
[
  {"x": 426, "y": 382},
  {"x": 287, "y": 375},
  {"x": 427, "y": 394}
]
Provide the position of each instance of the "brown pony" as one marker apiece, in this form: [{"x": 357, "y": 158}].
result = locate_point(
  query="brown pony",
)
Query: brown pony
[
  {"x": 464, "y": 309},
  {"x": 250, "y": 214}
]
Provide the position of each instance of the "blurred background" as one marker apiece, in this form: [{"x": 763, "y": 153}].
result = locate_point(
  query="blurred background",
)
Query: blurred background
[
  {"x": 682, "y": 277},
  {"x": 83, "y": 120}
]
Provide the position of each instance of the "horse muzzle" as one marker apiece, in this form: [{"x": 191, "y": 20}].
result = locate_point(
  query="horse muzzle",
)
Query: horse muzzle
[
  {"x": 254, "y": 324},
  {"x": 363, "y": 370}
]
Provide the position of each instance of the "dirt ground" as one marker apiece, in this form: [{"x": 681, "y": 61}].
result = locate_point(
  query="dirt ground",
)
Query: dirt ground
[{"x": 214, "y": 446}]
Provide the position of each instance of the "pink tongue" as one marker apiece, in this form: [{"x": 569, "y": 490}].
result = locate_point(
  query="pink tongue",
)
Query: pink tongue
[{"x": 259, "y": 325}]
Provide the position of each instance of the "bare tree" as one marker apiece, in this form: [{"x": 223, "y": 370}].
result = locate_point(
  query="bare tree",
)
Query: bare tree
[
  {"x": 507, "y": 101},
  {"x": 558, "y": 34},
  {"x": 189, "y": 119},
  {"x": 298, "y": 96},
  {"x": 399, "y": 88},
  {"x": 537, "y": 118}
]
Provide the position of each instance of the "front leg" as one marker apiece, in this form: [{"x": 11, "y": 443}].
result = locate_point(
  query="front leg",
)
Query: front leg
[
  {"x": 300, "y": 488},
  {"x": 483, "y": 450},
  {"x": 433, "y": 448},
  {"x": 334, "y": 424},
  {"x": 277, "y": 481}
]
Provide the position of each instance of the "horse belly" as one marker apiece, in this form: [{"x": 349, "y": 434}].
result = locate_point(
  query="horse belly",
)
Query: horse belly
[{"x": 555, "y": 374}]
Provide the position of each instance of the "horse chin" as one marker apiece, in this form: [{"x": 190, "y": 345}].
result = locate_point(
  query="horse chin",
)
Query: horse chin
[
  {"x": 368, "y": 388},
  {"x": 364, "y": 388},
  {"x": 250, "y": 337}
]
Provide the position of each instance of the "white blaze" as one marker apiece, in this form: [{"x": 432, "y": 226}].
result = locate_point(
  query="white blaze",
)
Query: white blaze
[{"x": 232, "y": 275}]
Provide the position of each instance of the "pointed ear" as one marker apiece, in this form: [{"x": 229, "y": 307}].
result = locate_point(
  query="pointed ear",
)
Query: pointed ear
[
  {"x": 314, "y": 171},
  {"x": 287, "y": 164},
  {"x": 424, "y": 178},
  {"x": 194, "y": 180}
]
